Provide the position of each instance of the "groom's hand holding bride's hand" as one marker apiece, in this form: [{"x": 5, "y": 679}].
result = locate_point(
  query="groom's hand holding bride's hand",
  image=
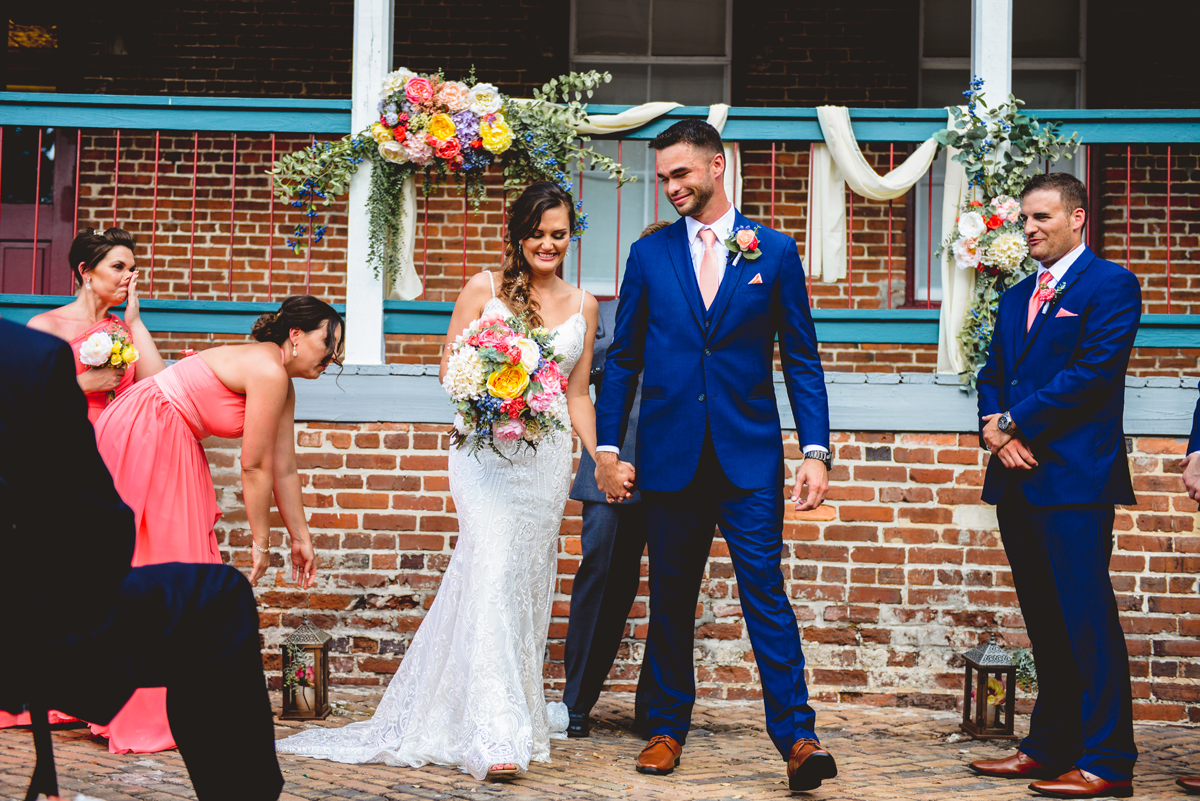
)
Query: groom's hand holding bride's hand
[
  {"x": 812, "y": 473},
  {"x": 613, "y": 477}
]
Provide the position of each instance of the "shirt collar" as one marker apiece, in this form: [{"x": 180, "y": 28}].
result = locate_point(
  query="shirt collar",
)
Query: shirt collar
[
  {"x": 721, "y": 227},
  {"x": 1062, "y": 265}
]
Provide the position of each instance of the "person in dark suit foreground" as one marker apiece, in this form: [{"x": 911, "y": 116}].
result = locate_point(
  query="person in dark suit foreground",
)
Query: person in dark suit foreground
[
  {"x": 190, "y": 628},
  {"x": 1051, "y": 400},
  {"x": 613, "y": 539},
  {"x": 1191, "y": 482}
]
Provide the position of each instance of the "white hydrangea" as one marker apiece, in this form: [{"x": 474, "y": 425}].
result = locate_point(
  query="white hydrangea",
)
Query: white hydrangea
[
  {"x": 464, "y": 375},
  {"x": 1007, "y": 252},
  {"x": 97, "y": 350}
]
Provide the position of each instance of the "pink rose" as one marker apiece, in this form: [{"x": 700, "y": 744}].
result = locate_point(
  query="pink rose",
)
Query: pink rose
[
  {"x": 418, "y": 91},
  {"x": 549, "y": 376},
  {"x": 454, "y": 96},
  {"x": 746, "y": 240},
  {"x": 491, "y": 319},
  {"x": 542, "y": 401},
  {"x": 509, "y": 431},
  {"x": 492, "y": 338},
  {"x": 449, "y": 149}
]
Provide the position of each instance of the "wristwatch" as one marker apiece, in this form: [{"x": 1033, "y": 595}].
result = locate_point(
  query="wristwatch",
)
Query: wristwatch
[
  {"x": 824, "y": 457},
  {"x": 1004, "y": 422}
]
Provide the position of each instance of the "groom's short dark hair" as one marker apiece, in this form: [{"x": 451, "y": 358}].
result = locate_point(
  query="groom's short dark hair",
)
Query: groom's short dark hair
[
  {"x": 1070, "y": 189},
  {"x": 692, "y": 131}
]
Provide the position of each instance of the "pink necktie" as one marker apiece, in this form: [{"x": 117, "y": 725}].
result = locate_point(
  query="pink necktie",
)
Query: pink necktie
[
  {"x": 710, "y": 267},
  {"x": 1034, "y": 304}
]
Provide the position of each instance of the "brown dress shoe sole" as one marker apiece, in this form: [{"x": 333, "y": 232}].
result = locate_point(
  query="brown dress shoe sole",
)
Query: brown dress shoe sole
[
  {"x": 1188, "y": 788},
  {"x": 1045, "y": 773},
  {"x": 658, "y": 771},
  {"x": 812, "y": 772}
]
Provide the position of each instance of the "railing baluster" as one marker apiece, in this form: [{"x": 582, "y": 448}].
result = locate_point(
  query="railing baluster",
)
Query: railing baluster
[
  {"x": 617, "y": 271},
  {"x": 424, "y": 239},
  {"x": 154, "y": 211},
  {"x": 850, "y": 254},
  {"x": 929, "y": 248},
  {"x": 1168, "y": 229},
  {"x": 271, "y": 225},
  {"x": 772, "y": 185},
  {"x": 116, "y": 176},
  {"x": 891, "y": 166},
  {"x": 464, "y": 230},
  {"x": 192, "y": 236},
  {"x": 232, "y": 208},
  {"x": 78, "y": 177},
  {"x": 1128, "y": 206},
  {"x": 37, "y": 207}
]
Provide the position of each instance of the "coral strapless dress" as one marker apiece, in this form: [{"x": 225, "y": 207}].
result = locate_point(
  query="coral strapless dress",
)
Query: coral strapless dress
[{"x": 150, "y": 439}]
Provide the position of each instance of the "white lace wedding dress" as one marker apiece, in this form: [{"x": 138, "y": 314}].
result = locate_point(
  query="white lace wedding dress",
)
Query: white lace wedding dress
[{"x": 469, "y": 689}]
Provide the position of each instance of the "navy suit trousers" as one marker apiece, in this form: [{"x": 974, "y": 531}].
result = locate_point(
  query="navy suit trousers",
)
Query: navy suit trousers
[
  {"x": 605, "y": 585},
  {"x": 680, "y": 531},
  {"x": 1059, "y": 557}
]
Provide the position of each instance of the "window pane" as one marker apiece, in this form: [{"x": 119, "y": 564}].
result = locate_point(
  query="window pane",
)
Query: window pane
[
  {"x": 689, "y": 28},
  {"x": 689, "y": 84},
  {"x": 945, "y": 88},
  {"x": 627, "y": 87},
  {"x": 1045, "y": 29},
  {"x": 612, "y": 27},
  {"x": 1047, "y": 88},
  {"x": 947, "y": 29},
  {"x": 21, "y": 166},
  {"x": 927, "y": 270}
]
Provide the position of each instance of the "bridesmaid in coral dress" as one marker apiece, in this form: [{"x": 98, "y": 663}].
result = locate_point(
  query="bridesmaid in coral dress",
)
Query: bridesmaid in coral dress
[
  {"x": 150, "y": 441},
  {"x": 104, "y": 270}
]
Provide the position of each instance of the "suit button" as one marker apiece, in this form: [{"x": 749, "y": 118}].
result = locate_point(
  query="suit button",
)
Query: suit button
[
  {"x": 1014, "y": 382},
  {"x": 707, "y": 352},
  {"x": 701, "y": 398}
]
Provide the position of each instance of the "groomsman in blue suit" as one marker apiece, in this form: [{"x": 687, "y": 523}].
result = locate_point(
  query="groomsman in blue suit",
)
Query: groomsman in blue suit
[
  {"x": 701, "y": 304},
  {"x": 1051, "y": 400}
]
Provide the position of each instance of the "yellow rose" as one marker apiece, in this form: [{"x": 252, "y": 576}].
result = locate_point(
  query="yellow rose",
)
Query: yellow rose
[
  {"x": 508, "y": 383},
  {"x": 497, "y": 136},
  {"x": 115, "y": 361},
  {"x": 441, "y": 127},
  {"x": 116, "y": 348},
  {"x": 129, "y": 355},
  {"x": 381, "y": 132}
]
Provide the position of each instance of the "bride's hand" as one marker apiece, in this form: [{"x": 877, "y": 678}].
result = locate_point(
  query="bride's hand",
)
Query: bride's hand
[{"x": 304, "y": 562}]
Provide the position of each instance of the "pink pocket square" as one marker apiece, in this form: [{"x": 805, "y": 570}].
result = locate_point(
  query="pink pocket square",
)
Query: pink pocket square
[
  {"x": 757, "y": 279},
  {"x": 1065, "y": 313}
]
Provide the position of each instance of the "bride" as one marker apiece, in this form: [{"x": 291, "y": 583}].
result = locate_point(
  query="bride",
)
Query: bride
[{"x": 469, "y": 690}]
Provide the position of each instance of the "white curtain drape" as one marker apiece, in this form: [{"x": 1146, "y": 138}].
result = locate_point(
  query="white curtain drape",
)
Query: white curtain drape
[
  {"x": 958, "y": 286},
  {"x": 837, "y": 162}
]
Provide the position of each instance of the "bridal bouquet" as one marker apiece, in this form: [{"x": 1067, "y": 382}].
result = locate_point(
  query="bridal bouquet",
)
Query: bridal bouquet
[
  {"x": 504, "y": 379},
  {"x": 112, "y": 347}
]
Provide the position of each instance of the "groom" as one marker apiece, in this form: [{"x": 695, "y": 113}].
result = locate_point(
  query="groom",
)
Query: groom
[{"x": 701, "y": 321}]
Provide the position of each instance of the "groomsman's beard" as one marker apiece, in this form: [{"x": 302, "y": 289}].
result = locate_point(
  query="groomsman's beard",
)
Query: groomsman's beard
[{"x": 697, "y": 201}]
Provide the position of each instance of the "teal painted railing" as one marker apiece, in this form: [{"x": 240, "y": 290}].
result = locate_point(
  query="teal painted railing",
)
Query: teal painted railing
[
  {"x": 866, "y": 326},
  {"x": 745, "y": 124}
]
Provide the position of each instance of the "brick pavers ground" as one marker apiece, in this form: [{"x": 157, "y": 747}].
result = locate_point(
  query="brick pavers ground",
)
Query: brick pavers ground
[{"x": 882, "y": 753}]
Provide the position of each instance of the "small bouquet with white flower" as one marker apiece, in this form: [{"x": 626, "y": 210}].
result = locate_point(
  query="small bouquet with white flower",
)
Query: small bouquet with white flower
[
  {"x": 506, "y": 385},
  {"x": 109, "y": 348}
]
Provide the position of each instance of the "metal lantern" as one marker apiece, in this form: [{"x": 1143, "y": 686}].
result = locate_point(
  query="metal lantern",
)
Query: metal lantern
[
  {"x": 306, "y": 674},
  {"x": 989, "y": 697}
]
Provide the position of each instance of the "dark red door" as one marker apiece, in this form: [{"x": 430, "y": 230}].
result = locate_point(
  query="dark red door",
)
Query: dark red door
[{"x": 30, "y": 265}]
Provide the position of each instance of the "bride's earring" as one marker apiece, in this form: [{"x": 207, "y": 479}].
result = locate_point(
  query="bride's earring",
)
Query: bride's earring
[
  {"x": 293, "y": 348},
  {"x": 87, "y": 283}
]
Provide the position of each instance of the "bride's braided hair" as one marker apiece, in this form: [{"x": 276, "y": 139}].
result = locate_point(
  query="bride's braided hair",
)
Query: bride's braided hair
[{"x": 524, "y": 217}]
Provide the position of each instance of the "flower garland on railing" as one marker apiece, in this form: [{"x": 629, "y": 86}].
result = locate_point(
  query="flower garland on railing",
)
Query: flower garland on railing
[
  {"x": 1000, "y": 149},
  {"x": 446, "y": 130}
]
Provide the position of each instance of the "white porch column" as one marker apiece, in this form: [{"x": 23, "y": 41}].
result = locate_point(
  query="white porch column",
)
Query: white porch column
[
  {"x": 372, "y": 60},
  {"x": 991, "y": 47}
]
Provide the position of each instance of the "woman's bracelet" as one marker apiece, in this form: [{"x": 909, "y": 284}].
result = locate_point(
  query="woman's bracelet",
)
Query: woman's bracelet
[{"x": 254, "y": 545}]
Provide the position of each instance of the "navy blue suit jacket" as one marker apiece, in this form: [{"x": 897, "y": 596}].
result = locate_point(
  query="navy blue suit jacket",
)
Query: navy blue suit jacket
[
  {"x": 716, "y": 377},
  {"x": 1064, "y": 384},
  {"x": 1194, "y": 440}
]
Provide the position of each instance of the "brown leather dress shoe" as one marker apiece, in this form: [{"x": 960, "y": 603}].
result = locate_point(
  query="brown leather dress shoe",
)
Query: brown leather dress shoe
[
  {"x": 660, "y": 757},
  {"x": 1190, "y": 783},
  {"x": 1081, "y": 784},
  {"x": 808, "y": 765},
  {"x": 1017, "y": 766}
]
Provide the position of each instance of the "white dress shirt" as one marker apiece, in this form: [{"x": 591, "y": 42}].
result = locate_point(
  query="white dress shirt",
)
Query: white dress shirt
[{"x": 722, "y": 228}]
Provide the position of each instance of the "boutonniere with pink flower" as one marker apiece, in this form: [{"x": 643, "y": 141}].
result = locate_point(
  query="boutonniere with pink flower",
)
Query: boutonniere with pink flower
[{"x": 744, "y": 242}]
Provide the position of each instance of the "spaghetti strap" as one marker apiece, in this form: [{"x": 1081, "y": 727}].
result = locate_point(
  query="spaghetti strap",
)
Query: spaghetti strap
[
  {"x": 582, "y": 297},
  {"x": 492, "y": 281}
]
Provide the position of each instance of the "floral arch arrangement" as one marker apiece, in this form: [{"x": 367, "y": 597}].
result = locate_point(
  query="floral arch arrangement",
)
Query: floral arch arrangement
[
  {"x": 1000, "y": 150},
  {"x": 445, "y": 131}
]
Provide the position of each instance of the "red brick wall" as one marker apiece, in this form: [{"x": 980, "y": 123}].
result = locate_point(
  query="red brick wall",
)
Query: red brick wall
[{"x": 898, "y": 574}]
